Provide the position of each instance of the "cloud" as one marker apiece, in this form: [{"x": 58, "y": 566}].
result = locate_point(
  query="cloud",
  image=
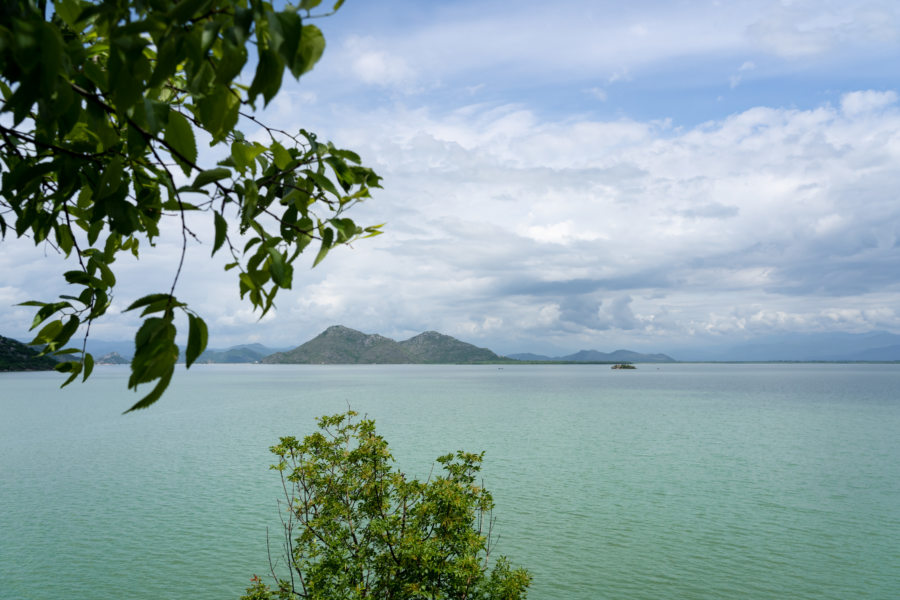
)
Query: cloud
[
  {"x": 735, "y": 79},
  {"x": 564, "y": 179},
  {"x": 751, "y": 202},
  {"x": 855, "y": 103},
  {"x": 809, "y": 28},
  {"x": 598, "y": 93},
  {"x": 507, "y": 228},
  {"x": 375, "y": 65}
]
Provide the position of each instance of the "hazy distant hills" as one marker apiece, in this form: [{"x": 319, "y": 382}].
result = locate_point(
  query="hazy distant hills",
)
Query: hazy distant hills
[
  {"x": 16, "y": 356},
  {"x": 121, "y": 353},
  {"x": 342, "y": 345},
  {"x": 836, "y": 346},
  {"x": 878, "y": 354},
  {"x": 244, "y": 353},
  {"x": 618, "y": 356}
]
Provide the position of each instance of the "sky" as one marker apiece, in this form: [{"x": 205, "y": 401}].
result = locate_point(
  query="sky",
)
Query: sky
[{"x": 578, "y": 175}]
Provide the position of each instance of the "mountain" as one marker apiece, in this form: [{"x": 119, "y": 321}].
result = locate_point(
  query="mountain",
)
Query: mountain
[
  {"x": 125, "y": 349},
  {"x": 243, "y": 353},
  {"x": 16, "y": 356},
  {"x": 616, "y": 356},
  {"x": 528, "y": 356},
  {"x": 437, "y": 348},
  {"x": 112, "y": 358},
  {"x": 342, "y": 345},
  {"x": 832, "y": 346},
  {"x": 885, "y": 353},
  {"x": 619, "y": 356}
]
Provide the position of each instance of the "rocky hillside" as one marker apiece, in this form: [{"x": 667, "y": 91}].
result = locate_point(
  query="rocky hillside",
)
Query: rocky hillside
[
  {"x": 16, "y": 356},
  {"x": 112, "y": 358},
  {"x": 342, "y": 345},
  {"x": 437, "y": 348}
]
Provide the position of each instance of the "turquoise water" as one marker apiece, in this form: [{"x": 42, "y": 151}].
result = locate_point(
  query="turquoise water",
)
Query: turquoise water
[{"x": 682, "y": 481}]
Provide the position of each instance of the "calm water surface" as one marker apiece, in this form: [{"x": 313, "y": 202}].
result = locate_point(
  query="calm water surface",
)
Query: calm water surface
[{"x": 677, "y": 481}]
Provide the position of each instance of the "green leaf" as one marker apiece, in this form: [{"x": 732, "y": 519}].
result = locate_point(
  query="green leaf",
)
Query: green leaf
[
  {"x": 184, "y": 10},
  {"x": 209, "y": 176},
  {"x": 180, "y": 138},
  {"x": 277, "y": 268},
  {"x": 267, "y": 80},
  {"x": 197, "y": 338},
  {"x": 166, "y": 62},
  {"x": 233, "y": 60},
  {"x": 323, "y": 182},
  {"x": 221, "y": 230},
  {"x": 46, "y": 310},
  {"x": 155, "y": 355},
  {"x": 106, "y": 274},
  {"x": 240, "y": 154},
  {"x": 281, "y": 156},
  {"x": 286, "y": 29},
  {"x": 346, "y": 228},
  {"x": 68, "y": 10},
  {"x": 250, "y": 243},
  {"x": 327, "y": 237},
  {"x": 68, "y": 330},
  {"x": 312, "y": 45},
  {"x": 155, "y": 394},
  {"x": 150, "y": 299},
  {"x": 74, "y": 371},
  {"x": 47, "y": 333},
  {"x": 218, "y": 112},
  {"x": 88, "y": 361}
]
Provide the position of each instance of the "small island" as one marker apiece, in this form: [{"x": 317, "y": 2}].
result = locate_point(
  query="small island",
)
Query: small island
[{"x": 623, "y": 366}]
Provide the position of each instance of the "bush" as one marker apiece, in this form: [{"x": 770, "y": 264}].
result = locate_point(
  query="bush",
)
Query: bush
[{"x": 356, "y": 528}]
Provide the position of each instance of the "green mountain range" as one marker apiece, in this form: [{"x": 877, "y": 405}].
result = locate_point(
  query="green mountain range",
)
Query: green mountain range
[
  {"x": 16, "y": 356},
  {"x": 342, "y": 345}
]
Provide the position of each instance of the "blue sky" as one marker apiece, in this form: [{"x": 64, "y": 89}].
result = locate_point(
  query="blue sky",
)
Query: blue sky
[{"x": 568, "y": 175}]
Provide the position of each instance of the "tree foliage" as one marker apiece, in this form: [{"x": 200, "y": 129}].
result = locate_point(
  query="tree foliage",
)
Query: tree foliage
[
  {"x": 104, "y": 104},
  {"x": 356, "y": 528}
]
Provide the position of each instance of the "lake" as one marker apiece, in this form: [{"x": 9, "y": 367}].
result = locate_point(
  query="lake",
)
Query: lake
[{"x": 670, "y": 481}]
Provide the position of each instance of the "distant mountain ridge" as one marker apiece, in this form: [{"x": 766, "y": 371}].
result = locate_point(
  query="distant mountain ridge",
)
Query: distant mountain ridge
[
  {"x": 243, "y": 353},
  {"x": 124, "y": 350},
  {"x": 617, "y": 356},
  {"x": 342, "y": 345},
  {"x": 824, "y": 346}
]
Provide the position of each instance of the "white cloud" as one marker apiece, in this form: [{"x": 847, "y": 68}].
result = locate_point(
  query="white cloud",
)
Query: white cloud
[
  {"x": 521, "y": 201},
  {"x": 375, "y": 65},
  {"x": 854, "y": 103},
  {"x": 504, "y": 226},
  {"x": 598, "y": 93},
  {"x": 815, "y": 27},
  {"x": 735, "y": 79}
]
